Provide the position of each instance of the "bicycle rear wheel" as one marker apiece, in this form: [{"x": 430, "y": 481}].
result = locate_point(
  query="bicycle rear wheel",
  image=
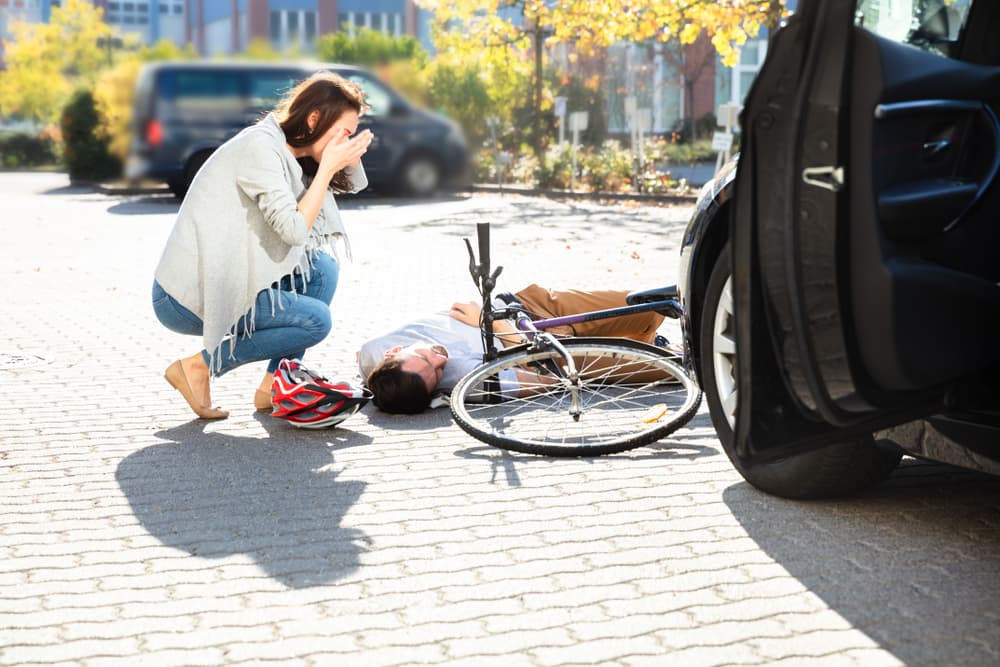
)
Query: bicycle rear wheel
[{"x": 630, "y": 394}]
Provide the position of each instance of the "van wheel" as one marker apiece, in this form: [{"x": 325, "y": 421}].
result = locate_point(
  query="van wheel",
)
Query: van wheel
[
  {"x": 178, "y": 187},
  {"x": 194, "y": 164},
  {"x": 418, "y": 176},
  {"x": 835, "y": 470}
]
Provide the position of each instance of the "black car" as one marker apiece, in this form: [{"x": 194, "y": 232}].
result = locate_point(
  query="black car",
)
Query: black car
[
  {"x": 183, "y": 111},
  {"x": 841, "y": 280}
]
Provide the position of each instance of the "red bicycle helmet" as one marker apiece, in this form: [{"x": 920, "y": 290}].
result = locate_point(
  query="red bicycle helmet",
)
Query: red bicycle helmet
[{"x": 308, "y": 400}]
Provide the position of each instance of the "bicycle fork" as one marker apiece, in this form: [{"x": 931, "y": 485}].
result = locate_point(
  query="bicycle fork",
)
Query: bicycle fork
[{"x": 570, "y": 380}]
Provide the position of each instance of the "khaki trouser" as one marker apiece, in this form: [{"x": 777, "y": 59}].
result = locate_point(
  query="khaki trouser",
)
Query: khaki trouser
[{"x": 546, "y": 303}]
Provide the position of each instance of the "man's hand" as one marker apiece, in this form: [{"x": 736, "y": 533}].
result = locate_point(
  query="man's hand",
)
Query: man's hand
[{"x": 466, "y": 313}]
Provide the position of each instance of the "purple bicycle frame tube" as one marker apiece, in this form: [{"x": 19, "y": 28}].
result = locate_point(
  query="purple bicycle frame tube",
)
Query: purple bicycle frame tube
[{"x": 542, "y": 325}]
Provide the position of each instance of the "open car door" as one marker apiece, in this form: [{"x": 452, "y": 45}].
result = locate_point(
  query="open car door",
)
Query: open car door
[{"x": 866, "y": 218}]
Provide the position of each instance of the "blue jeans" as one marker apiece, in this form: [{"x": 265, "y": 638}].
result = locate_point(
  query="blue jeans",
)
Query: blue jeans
[{"x": 301, "y": 321}]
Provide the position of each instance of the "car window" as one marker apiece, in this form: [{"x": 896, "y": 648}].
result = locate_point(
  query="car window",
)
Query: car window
[
  {"x": 268, "y": 88},
  {"x": 932, "y": 25},
  {"x": 203, "y": 91},
  {"x": 377, "y": 96}
]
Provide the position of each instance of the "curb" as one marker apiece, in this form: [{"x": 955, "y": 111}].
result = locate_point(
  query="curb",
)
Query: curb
[
  {"x": 686, "y": 198},
  {"x": 123, "y": 188},
  {"x": 126, "y": 188}
]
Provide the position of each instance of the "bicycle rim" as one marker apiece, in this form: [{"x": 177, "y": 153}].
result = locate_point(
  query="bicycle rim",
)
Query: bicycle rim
[{"x": 630, "y": 394}]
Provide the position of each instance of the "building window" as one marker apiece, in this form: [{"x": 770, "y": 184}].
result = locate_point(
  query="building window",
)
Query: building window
[
  {"x": 388, "y": 22},
  {"x": 745, "y": 71},
  {"x": 276, "y": 27},
  {"x": 292, "y": 28},
  {"x": 310, "y": 27}
]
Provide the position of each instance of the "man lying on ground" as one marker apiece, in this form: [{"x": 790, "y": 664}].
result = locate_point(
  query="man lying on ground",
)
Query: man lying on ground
[{"x": 408, "y": 366}]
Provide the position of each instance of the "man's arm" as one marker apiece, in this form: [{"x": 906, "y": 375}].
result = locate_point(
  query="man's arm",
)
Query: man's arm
[{"x": 470, "y": 313}]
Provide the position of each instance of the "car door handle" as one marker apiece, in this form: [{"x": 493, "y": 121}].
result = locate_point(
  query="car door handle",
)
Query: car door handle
[
  {"x": 935, "y": 148},
  {"x": 828, "y": 178}
]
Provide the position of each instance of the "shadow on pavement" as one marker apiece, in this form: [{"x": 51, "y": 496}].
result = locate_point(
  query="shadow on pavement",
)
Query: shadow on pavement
[
  {"x": 502, "y": 459},
  {"x": 866, "y": 558},
  {"x": 144, "y": 205},
  {"x": 421, "y": 423},
  {"x": 277, "y": 500}
]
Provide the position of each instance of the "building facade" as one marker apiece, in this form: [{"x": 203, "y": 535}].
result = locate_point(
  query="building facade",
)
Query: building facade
[{"x": 222, "y": 27}]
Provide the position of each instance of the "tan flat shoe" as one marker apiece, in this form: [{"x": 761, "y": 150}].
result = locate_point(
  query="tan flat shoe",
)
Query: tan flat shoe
[
  {"x": 177, "y": 378},
  {"x": 262, "y": 400}
]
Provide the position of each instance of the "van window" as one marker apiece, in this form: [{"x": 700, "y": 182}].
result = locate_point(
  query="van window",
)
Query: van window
[
  {"x": 377, "y": 96},
  {"x": 201, "y": 91},
  {"x": 268, "y": 88}
]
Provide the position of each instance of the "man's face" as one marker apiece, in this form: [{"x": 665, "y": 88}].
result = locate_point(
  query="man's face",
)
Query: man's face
[{"x": 425, "y": 359}]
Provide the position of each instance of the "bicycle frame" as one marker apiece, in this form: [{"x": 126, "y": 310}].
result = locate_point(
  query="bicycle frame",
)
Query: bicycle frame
[{"x": 534, "y": 331}]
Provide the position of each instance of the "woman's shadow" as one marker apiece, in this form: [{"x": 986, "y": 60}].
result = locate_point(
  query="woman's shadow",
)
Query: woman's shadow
[{"x": 275, "y": 499}]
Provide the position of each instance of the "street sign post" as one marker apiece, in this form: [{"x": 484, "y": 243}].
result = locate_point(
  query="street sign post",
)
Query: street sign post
[
  {"x": 577, "y": 124},
  {"x": 560, "y": 112}
]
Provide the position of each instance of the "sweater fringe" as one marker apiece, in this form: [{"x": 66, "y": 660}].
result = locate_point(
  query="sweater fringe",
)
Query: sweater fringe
[{"x": 303, "y": 269}]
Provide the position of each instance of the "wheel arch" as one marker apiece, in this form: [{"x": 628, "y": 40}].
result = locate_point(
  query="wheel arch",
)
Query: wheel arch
[{"x": 715, "y": 236}]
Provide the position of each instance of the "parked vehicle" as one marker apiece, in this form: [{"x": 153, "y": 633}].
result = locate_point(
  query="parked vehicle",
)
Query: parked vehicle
[
  {"x": 185, "y": 110},
  {"x": 841, "y": 285}
]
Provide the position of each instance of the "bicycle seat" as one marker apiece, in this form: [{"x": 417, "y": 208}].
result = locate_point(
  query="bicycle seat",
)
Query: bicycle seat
[{"x": 668, "y": 293}]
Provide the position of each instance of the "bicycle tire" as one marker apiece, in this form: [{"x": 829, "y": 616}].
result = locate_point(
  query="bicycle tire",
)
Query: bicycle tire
[{"x": 616, "y": 414}]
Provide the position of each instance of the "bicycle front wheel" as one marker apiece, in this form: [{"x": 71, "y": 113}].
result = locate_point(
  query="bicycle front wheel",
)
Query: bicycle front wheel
[{"x": 629, "y": 394}]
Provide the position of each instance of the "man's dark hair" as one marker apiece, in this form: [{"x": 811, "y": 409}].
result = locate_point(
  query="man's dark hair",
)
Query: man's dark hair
[{"x": 396, "y": 390}]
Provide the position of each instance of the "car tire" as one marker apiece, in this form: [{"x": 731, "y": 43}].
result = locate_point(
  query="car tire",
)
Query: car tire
[
  {"x": 419, "y": 176},
  {"x": 835, "y": 470},
  {"x": 180, "y": 187}
]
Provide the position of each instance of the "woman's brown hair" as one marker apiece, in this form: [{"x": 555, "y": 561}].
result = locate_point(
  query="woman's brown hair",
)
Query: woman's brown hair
[{"x": 331, "y": 95}]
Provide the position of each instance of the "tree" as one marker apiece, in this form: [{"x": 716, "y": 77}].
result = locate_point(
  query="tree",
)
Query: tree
[
  {"x": 368, "y": 47},
  {"x": 519, "y": 26},
  {"x": 47, "y": 62},
  {"x": 114, "y": 92}
]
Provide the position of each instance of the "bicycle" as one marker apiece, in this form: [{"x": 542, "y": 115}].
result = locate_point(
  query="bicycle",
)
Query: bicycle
[{"x": 575, "y": 396}]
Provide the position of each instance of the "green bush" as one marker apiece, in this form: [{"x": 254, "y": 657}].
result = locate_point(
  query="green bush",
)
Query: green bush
[
  {"x": 460, "y": 92},
  {"x": 368, "y": 47},
  {"x": 557, "y": 169},
  {"x": 85, "y": 148},
  {"x": 608, "y": 169},
  {"x": 26, "y": 150},
  {"x": 686, "y": 153}
]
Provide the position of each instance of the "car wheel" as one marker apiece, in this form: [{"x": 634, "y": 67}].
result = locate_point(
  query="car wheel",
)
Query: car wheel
[
  {"x": 835, "y": 470},
  {"x": 419, "y": 176},
  {"x": 178, "y": 187}
]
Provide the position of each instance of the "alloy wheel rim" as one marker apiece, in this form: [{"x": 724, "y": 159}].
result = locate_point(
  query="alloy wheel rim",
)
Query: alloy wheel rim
[
  {"x": 423, "y": 176},
  {"x": 724, "y": 353}
]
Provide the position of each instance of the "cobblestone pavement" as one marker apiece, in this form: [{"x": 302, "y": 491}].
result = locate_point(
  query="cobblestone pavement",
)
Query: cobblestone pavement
[{"x": 131, "y": 534}]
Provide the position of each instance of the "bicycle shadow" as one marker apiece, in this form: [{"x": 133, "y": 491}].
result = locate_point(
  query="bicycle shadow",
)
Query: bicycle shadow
[
  {"x": 506, "y": 461},
  {"x": 277, "y": 499}
]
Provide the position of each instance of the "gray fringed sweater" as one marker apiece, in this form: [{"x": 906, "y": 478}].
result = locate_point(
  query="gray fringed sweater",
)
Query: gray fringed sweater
[{"x": 239, "y": 231}]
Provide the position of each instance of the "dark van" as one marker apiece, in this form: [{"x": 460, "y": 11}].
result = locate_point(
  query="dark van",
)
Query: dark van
[{"x": 184, "y": 110}]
